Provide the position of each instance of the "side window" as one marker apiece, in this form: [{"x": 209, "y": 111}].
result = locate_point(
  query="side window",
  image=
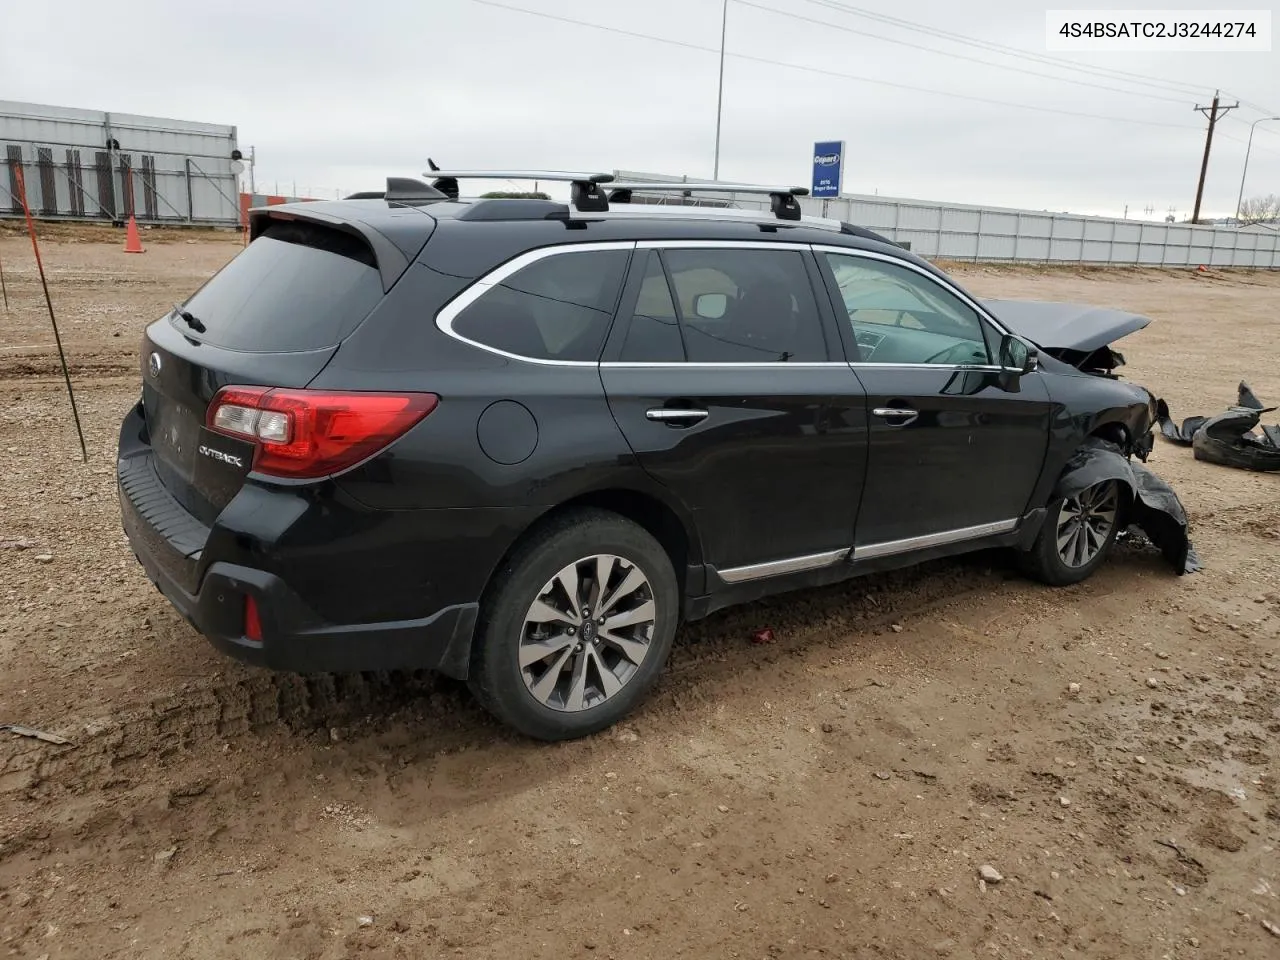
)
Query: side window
[
  {"x": 653, "y": 336},
  {"x": 901, "y": 316},
  {"x": 745, "y": 306},
  {"x": 557, "y": 308}
]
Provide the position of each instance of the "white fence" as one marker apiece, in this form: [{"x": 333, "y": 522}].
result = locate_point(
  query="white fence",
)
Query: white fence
[{"x": 961, "y": 232}]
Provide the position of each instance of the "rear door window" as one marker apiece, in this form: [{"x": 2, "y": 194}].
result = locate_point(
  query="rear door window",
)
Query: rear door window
[
  {"x": 557, "y": 308},
  {"x": 745, "y": 306},
  {"x": 296, "y": 287}
]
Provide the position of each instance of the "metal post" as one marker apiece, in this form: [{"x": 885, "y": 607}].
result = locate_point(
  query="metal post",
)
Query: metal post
[
  {"x": 253, "y": 166},
  {"x": 191, "y": 203},
  {"x": 1240, "y": 199},
  {"x": 724, "y": 22}
]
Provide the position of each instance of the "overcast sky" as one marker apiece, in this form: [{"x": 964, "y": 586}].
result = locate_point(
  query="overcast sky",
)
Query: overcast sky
[{"x": 338, "y": 95}]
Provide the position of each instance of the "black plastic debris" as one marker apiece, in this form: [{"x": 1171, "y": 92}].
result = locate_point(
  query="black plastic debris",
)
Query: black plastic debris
[
  {"x": 1154, "y": 508},
  {"x": 1227, "y": 438}
]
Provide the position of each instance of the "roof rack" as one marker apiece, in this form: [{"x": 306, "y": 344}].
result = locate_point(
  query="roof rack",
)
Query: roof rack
[
  {"x": 584, "y": 188},
  {"x": 782, "y": 200},
  {"x": 588, "y": 197}
]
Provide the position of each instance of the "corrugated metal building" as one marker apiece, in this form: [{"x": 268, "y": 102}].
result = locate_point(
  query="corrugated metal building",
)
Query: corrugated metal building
[{"x": 89, "y": 165}]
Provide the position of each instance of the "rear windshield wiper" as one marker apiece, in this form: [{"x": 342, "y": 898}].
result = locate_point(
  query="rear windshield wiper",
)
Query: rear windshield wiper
[{"x": 190, "y": 319}]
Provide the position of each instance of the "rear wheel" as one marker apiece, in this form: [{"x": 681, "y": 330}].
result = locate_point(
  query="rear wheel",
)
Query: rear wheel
[
  {"x": 578, "y": 627},
  {"x": 1076, "y": 536}
]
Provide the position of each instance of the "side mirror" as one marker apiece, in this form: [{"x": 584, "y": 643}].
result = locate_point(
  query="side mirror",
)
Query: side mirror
[
  {"x": 710, "y": 306},
  {"x": 1017, "y": 356},
  {"x": 1017, "y": 359}
]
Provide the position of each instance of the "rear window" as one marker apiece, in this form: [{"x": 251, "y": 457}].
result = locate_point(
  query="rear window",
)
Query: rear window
[{"x": 296, "y": 287}]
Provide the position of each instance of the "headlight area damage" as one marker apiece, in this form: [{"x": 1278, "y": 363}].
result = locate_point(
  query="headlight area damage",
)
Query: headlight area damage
[
  {"x": 1153, "y": 506},
  {"x": 1227, "y": 438}
]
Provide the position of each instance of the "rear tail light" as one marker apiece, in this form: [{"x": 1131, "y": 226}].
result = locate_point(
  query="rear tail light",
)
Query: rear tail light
[{"x": 306, "y": 434}]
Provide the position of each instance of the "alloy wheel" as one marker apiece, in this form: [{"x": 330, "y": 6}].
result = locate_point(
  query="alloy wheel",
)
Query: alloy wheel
[
  {"x": 1085, "y": 521},
  {"x": 587, "y": 632}
]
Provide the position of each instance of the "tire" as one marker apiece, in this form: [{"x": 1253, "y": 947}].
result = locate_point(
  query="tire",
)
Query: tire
[
  {"x": 1064, "y": 551},
  {"x": 555, "y": 676}
]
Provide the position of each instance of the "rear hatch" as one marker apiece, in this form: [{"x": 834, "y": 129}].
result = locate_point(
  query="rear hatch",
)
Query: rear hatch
[{"x": 274, "y": 316}]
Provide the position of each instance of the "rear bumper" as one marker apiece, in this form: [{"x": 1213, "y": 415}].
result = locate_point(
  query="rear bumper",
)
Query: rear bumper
[
  {"x": 297, "y": 559},
  {"x": 293, "y": 637}
]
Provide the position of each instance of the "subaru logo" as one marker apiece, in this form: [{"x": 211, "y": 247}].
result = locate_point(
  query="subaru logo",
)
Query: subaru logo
[
  {"x": 153, "y": 365},
  {"x": 826, "y": 159}
]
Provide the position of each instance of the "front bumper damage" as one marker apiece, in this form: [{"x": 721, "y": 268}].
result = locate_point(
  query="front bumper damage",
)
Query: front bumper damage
[{"x": 1154, "y": 508}]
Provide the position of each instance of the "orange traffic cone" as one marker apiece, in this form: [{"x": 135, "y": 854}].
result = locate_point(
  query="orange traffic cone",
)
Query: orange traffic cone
[{"x": 132, "y": 242}]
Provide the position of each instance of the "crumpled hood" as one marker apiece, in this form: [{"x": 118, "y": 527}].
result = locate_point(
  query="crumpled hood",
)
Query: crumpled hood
[{"x": 1077, "y": 327}]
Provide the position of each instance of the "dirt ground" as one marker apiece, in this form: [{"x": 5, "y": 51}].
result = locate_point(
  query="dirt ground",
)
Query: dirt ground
[{"x": 832, "y": 794}]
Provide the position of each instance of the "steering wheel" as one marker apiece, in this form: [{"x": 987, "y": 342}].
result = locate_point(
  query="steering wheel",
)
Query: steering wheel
[{"x": 971, "y": 353}]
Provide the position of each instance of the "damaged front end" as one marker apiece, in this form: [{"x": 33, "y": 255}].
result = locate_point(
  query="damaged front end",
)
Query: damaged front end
[
  {"x": 1074, "y": 333},
  {"x": 1154, "y": 508}
]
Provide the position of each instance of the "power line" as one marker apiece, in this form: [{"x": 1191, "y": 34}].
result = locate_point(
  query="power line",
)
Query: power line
[
  {"x": 1109, "y": 73},
  {"x": 834, "y": 73},
  {"x": 960, "y": 56}
]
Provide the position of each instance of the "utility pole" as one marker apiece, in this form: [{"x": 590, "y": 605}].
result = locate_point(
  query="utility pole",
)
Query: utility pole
[
  {"x": 724, "y": 22},
  {"x": 1212, "y": 112}
]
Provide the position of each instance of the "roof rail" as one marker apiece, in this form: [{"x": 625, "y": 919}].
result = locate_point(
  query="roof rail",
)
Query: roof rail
[{"x": 782, "y": 200}]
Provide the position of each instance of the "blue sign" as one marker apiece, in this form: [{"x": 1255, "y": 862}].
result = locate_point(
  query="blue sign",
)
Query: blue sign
[{"x": 828, "y": 168}]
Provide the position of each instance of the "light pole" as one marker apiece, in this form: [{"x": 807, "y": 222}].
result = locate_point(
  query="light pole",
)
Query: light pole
[
  {"x": 1240, "y": 199},
  {"x": 724, "y": 22}
]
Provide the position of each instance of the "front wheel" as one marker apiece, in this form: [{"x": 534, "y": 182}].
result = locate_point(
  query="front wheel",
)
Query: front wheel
[
  {"x": 1077, "y": 535},
  {"x": 578, "y": 627}
]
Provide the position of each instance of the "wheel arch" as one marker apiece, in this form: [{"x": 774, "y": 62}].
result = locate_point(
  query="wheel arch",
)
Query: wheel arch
[{"x": 667, "y": 522}]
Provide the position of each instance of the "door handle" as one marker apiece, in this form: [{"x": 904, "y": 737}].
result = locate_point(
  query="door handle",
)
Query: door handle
[
  {"x": 676, "y": 416},
  {"x": 897, "y": 416}
]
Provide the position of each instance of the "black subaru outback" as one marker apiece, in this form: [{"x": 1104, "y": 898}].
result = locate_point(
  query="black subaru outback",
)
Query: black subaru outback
[{"x": 519, "y": 441}]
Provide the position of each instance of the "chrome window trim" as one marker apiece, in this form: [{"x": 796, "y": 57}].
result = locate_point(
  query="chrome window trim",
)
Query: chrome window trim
[
  {"x": 450, "y": 311},
  {"x": 889, "y": 548},
  {"x": 946, "y": 284},
  {"x": 726, "y": 364},
  {"x": 775, "y": 568}
]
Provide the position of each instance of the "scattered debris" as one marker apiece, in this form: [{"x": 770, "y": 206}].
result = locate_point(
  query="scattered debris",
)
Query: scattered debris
[
  {"x": 21, "y": 543},
  {"x": 1271, "y": 928},
  {"x": 881, "y": 775},
  {"x": 763, "y": 636},
  {"x": 895, "y": 627},
  {"x": 1073, "y": 688},
  {"x": 1227, "y": 438},
  {"x": 364, "y": 921},
  {"x": 164, "y": 856},
  {"x": 1064, "y": 801},
  {"x": 19, "y": 730},
  {"x": 1183, "y": 856},
  {"x": 1142, "y": 761},
  {"x": 1153, "y": 682},
  {"x": 43, "y": 558},
  {"x": 990, "y": 874},
  {"x": 722, "y": 808}
]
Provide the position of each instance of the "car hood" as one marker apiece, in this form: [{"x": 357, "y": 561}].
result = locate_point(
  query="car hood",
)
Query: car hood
[
  {"x": 1075, "y": 327},
  {"x": 1075, "y": 333}
]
